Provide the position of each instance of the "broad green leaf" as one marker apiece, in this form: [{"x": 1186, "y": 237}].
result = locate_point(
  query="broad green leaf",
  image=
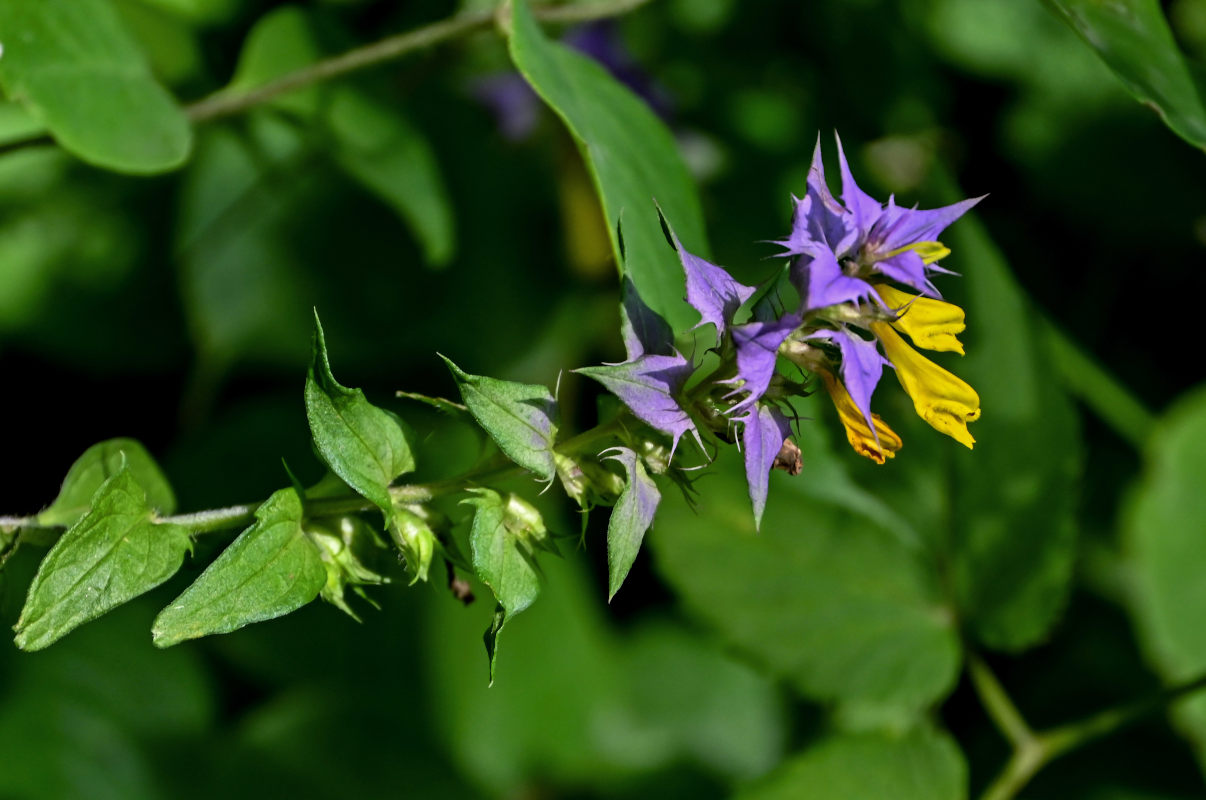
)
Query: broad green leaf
[
  {"x": 364, "y": 445},
  {"x": 521, "y": 418},
  {"x": 241, "y": 287},
  {"x": 593, "y": 703},
  {"x": 1133, "y": 38},
  {"x": 920, "y": 765},
  {"x": 378, "y": 147},
  {"x": 99, "y": 463},
  {"x": 1014, "y": 498},
  {"x": 632, "y": 156},
  {"x": 824, "y": 597},
  {"x": 503, "y": 561},
  {"x": 270, "y": 570},
  {"x": 78, "y": 71},
  {"x": 114, "y": 553},
  {"x": 630, "y": 518},
  {"x": 1164, "y": 528}
]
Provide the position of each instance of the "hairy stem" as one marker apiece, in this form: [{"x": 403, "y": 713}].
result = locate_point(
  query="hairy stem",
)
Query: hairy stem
[{"x": 1033, "y": 751}]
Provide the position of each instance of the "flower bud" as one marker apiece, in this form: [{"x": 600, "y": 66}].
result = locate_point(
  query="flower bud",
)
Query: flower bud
[
  {"x": 415, "y": 540},
  {"x": 523, "y": 521}
]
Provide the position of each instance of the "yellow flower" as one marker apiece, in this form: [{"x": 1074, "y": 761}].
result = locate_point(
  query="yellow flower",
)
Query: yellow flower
[
  {"x": 861, "y": 438},
  {"x": 941, "y": 399},
  {"x": 932, "y": 324}
]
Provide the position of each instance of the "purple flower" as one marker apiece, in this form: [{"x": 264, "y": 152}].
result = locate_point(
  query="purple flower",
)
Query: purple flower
[
  {"x": 861, "y": 237},
  {"x": 862, "y": 367},
  {"x": 764, "y": 430},
  {"x": 757, "y": 345},
  {"x": 649, "y": 385},
  {"x": 710, "y": 289}
]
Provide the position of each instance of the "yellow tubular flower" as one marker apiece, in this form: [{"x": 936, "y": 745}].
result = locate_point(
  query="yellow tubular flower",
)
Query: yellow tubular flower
[
  {"x": 932, "y": 324},
  {"x": 941, "y": 399},
  {"x": 860, "y": 435}
]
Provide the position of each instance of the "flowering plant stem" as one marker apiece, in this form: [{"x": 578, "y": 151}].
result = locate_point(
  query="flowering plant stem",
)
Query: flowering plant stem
[
  {"x": 226, "y": 103},
  {"x": 1034, "y": 750}
]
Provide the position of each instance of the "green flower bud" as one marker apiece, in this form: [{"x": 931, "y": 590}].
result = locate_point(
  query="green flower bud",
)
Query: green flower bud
[
  {"x": 523, "y": 520},
  {"x": 415, "y": 539},
  {"x": 337, "y": 542}
]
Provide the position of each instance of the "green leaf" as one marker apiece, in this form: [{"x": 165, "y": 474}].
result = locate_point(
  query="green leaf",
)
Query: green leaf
[
  {"x": 632, "y": 157},
  {"x": 378, "y": 147},
  {"x": 114, "y": 553},
  {"x": 78, "y": 71},
  {"x": 920, "y": 765},
  {"x": 630, "y": 518},
  {"x": 271, "y": 569},
  {"x": 99, "y": 463},
  {"x": 281, "y": 41},
  {"x": 502, "y": 561},
  {"x": 1164, "y": 528},
  {"x": 1014, "y": 498},
  {"x": 1133, "y": 38},
  {"x": 364, "y": 445},
  {"x": 521, "y": 418},
  {"x": 841, "y": 609}
]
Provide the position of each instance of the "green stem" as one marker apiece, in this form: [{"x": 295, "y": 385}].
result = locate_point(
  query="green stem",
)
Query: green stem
[
  {"x": 1105, "y": 396},
  {"x": 1033, "y": 751},
  {"x": 227, "y": 102}
]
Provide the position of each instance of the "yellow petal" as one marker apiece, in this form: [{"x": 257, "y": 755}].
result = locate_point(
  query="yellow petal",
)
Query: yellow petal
[
  {"x": 929, "y": 251},
  {"x": 932, "y": 324},
  {"x": 857, "y": 431},
  {"x": 941, "y": 399}
]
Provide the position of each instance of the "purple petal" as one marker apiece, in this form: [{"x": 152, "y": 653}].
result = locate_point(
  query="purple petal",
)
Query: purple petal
[
  {"x": 823, "y": 283},
  {"x": 711, "y": 290},
  {"x": 819, "y": 221},
  {"x": 900, "y": 227},
  {"x": 643, "y": 329},
  {"x": 864, "y": 208},
  {"x": 757, "y": 350},
  {"x": 762, "y": 436},
  {"x": 647, "y": 385},
  {"x": 910, "y": 269},
  {"x": 862, "y": 367}
]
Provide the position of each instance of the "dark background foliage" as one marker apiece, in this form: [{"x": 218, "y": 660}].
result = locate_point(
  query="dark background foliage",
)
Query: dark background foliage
[{"x": 1096, "y": 206}]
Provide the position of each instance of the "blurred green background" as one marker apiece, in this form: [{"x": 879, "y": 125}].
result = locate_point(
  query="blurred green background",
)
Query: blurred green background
[{"x": 175, "y": 309}]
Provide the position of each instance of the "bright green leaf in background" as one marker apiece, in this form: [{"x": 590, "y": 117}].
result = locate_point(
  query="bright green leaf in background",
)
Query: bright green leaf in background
[
  {"x": 1165, "y": 536},
  {"x": 920, "y": 765},
  {"x": 364, "y": 445},
  {"x": 99, "y": 463},
  {"x": 1133, "y": 38},
  {"x": 373, "y": 142},
  {"x": 77, "y": 69},
  {"x": 114, "y": 553},
  {"x": 521, "y": 418},
  {"x": 632, "y": 156},
  {"x": 271, "y": 569},
  {"x": 840, "y": 608}
]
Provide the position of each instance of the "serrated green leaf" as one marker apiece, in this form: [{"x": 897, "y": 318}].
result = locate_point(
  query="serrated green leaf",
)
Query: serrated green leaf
[
  {"x": 271, "y": 569},
  {"x": 78, "y": 71},
  {"x": 1164, "y": 528},
  {"x": 632, "y": 156},
  {"x": 364, "y": 445},
  {"x": 1014, "y": 498},
  {"x": 920, "y": 765},
  {"x": 114, "y": 553},
  {"x": 843, "y": 610},
  {"x": 1133, "y": 38},
  {"x": 503, "y": 562},
  {"x": 99, "y": 463},
  {"x": 521, "y": 418},
  {"x": 630, "y": 518},
  {"x": 378, "y": 147}
]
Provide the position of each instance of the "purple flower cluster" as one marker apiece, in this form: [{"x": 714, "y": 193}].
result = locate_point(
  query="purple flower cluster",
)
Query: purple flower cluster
[{"x": 862, "y": 270}]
